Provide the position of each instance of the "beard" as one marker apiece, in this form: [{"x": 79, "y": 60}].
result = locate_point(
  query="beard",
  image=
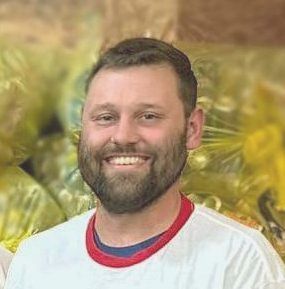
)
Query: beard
[{"x": 130, "y": 192}]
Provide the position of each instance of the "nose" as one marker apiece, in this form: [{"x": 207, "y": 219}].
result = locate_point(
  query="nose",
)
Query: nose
[{"x": 125, "y": 132}]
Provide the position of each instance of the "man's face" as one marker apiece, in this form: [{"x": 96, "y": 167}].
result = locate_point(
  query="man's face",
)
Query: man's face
[{"x": 133, "y": 142}]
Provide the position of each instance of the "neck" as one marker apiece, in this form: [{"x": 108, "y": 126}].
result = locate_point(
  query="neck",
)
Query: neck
[{"x": 119, "y": 230}]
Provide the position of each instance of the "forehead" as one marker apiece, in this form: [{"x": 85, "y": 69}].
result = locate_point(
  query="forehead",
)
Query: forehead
[{"x": 151, "y": 84}]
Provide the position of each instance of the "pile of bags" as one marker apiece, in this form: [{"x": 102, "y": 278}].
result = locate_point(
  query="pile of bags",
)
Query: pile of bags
[{"x": 40, "y": 185}]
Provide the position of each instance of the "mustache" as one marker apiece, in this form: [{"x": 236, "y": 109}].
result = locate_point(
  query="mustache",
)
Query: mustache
[
  {"x": 110, "y": 149},
  {"x": 129, "y": 148}
]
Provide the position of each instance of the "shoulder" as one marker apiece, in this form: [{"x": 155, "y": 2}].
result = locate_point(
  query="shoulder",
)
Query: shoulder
[
  {"x": 68, "y": 234},
  {"x": 217, "y": 222},
  {"x": 216, "y": 225},
  {"x": 62, "y": 243},
  {"x": 242, "y": 247}
]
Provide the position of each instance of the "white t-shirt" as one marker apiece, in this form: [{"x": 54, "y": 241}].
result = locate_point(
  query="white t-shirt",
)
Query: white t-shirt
[{"x": 201, "y": 250}]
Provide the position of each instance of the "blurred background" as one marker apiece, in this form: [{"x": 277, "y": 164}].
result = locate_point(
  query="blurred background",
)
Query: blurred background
[{"x": 238, "y": 55}]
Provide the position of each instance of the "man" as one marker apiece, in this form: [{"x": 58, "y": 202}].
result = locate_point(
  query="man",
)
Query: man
[
  {"x": 5, "y": 260},
  {"x": 138, "y": 122}
]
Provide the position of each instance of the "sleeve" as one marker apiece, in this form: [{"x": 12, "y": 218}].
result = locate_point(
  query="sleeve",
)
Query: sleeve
[{"x": 260, "y": 267}]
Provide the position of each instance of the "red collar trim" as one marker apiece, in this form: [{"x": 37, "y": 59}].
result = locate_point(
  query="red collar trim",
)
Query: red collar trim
[{"x": 186, "y": 209}]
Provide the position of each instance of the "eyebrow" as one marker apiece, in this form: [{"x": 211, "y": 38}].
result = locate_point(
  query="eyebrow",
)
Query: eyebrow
[
  {"x": 111, "y": 107},
  {"x": 149, "y": 105},
  {"x": 103, "y": 106}
]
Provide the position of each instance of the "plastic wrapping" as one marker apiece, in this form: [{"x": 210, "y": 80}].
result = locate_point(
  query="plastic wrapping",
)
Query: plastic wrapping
[
  {"x": 55, "y": 166},
  {"x": 29, "y": 86},
  {"x": 70, "y": 106},
  {"x": 25, "y": 207}
]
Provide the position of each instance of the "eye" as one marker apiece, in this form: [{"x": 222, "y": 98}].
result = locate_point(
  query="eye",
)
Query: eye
[
  {"x": 149, "y": 116},
  {"x": 104, "y": 119}
]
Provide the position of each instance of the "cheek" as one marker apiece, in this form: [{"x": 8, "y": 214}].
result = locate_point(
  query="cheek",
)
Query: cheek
[
  {"x": 153, "y": 136},
  {"x": 160, "y": 135},
  {"x": 94, "y": 137}
]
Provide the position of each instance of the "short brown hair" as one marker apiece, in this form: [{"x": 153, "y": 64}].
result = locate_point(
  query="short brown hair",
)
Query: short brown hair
[{"x": 148, "y": 51}]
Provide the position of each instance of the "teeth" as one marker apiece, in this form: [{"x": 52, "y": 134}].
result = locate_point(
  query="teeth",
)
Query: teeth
[{"x": 126, "y": 160}]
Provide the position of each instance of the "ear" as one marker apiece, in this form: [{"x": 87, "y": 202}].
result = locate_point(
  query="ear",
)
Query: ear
[{"x": 195, "y": 128}]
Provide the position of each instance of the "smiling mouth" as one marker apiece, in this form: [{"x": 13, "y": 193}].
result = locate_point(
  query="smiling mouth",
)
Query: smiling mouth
[{"x": 126, "y": 160}]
